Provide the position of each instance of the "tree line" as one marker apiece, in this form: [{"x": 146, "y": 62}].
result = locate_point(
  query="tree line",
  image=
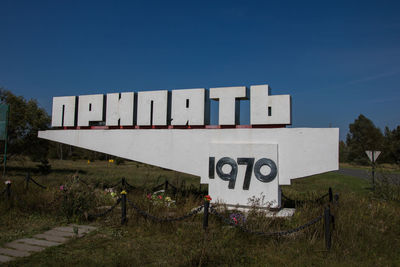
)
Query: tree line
[
  {"x": 364, "y": 135},
  {"x": 26, "y": 118}
]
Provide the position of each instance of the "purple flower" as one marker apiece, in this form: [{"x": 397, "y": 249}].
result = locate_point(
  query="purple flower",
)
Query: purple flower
[{"x": 62, "y": 188}]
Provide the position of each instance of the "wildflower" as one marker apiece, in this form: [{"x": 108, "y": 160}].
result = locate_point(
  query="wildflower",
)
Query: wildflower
[
  {"x": 237, "y": 218},
  {"x": 168, "y": 199},
  {"x": 160, "y": 197},
  {"x": 62, "y": 188},
  {"x": 148, "y": 196},
  {"x": 7, "y": 182},
  {"x": 207, "y": 198}
]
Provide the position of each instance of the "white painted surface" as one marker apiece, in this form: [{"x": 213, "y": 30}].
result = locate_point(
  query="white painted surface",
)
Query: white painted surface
[
  {"x": 301, "y": 151},
  {"x": 90, "y": 108},
  {"x": 188, "y": 107},
  {"x": 265, "y": 192},
  {"x": 68, "y": 104},
  {"x": 261, "y": 99},
  {"x": 120, "y": 108},
  {"x": 160, "y": 108},
  {"x": 228, "y": 98}
]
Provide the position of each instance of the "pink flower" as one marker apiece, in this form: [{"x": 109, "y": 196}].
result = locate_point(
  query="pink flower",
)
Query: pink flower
[
  {"x": 149, "y": 196},
  {"x": 62, "y": 188},
  {"x": 160, "y": 197}
]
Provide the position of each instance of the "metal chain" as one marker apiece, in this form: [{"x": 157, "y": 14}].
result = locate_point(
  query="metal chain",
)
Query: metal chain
[
  {"x": 112, "y": 186},
  {"x": 42, "y": 186},
  {"x": 91, "y": 216},
  {"x": 316, "y": 200},
  {"x": 131, "y": 186},
  {"x": 165, "y": 219},
  {"x": 279, "y": 233}
]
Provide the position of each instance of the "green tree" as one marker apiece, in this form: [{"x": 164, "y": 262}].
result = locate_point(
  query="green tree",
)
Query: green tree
[
  {"x": 343, "y": 152},
  {"x": 26, "y": 118},
  {"x": 363, "y": 135},
  {"x": 391, "y": 150}
]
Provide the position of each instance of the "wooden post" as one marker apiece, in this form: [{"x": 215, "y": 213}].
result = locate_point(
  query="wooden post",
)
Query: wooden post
[{"x": 330, "y": 195}]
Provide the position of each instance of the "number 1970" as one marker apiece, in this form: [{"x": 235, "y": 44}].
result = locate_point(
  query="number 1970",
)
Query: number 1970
[{"x": 249, "y": 162}]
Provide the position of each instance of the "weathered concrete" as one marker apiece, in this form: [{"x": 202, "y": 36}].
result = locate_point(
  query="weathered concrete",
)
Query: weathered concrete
[
  {"x": 70, "y": 229},
  {"x": 57, "y": 236},
  {"x": 23, "y": 247},
  {"x": 59, "y": 239},
  {"x": 59, "y": 233},
  {"x": 88, "y": 227},
  {"x": 38, "y": 242},
  {"x": 5, "y": 258},
  {"x": 13, "y": 252}
]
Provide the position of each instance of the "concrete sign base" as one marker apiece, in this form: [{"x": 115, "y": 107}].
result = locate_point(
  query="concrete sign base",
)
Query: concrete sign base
[{"x": 239, "y": 164}]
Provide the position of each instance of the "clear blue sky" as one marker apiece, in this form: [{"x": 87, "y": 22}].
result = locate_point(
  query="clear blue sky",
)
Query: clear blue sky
[{"x": 336, "y": 59}]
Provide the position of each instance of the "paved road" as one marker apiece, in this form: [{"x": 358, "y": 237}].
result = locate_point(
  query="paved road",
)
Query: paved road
[{"x": 366, "y": 174}]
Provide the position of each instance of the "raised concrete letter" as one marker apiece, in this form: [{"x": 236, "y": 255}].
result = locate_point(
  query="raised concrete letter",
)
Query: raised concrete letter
[
  {"x": 63, "y": 111},
  {"x": 90, "y": 108},
  {"x": 268, "y": 109},
  {"x": 229, "y": 107},
  {"x": 188, "y": 107},
  {"x": 120, "y": 109},
  {"x": 152, "y": 108}
]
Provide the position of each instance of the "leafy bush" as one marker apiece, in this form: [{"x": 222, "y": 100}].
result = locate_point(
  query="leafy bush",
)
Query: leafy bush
[{"x": 76, "y": 199}]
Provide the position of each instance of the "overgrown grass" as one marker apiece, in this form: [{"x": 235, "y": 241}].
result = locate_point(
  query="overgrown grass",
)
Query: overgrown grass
[
  {"x": 367, "y": 227},
  {"x": 384, "y": 167}
]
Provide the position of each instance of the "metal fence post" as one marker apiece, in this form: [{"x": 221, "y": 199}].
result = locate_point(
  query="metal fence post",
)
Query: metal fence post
[
  {"x": 27, "y": 178},
  {"x": 330, "y": 194},
  {"x": 8, "y": 191},
  {"x": 165, "y": 186},
  {"x": 123, "y": 207},
  {"x": 327, "y": 224},
  {"x": 205, "y": 216}
]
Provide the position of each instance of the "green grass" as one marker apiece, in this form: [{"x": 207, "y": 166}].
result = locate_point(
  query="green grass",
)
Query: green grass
[
  {"x": 384, "y": 167},
  {"x": 367, "y": 228}
]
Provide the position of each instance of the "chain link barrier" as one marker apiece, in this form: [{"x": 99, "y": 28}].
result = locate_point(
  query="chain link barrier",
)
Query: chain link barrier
[
  {"x": 165, "y": 219},
  {"x": 278, "y": 233},
  {"x": 104, "y": 213}
]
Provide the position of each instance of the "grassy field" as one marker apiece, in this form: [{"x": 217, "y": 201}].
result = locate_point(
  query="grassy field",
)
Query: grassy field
[
  {"x": 384, "y": 167},
  {"x": 367, "y": 229}
]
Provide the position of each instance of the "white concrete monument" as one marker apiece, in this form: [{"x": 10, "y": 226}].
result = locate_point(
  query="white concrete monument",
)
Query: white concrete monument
[{"x": 170, "y": 130}]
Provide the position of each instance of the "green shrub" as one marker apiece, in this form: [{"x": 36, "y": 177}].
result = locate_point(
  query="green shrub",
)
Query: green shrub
[{"x": 76, "y": 199}]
